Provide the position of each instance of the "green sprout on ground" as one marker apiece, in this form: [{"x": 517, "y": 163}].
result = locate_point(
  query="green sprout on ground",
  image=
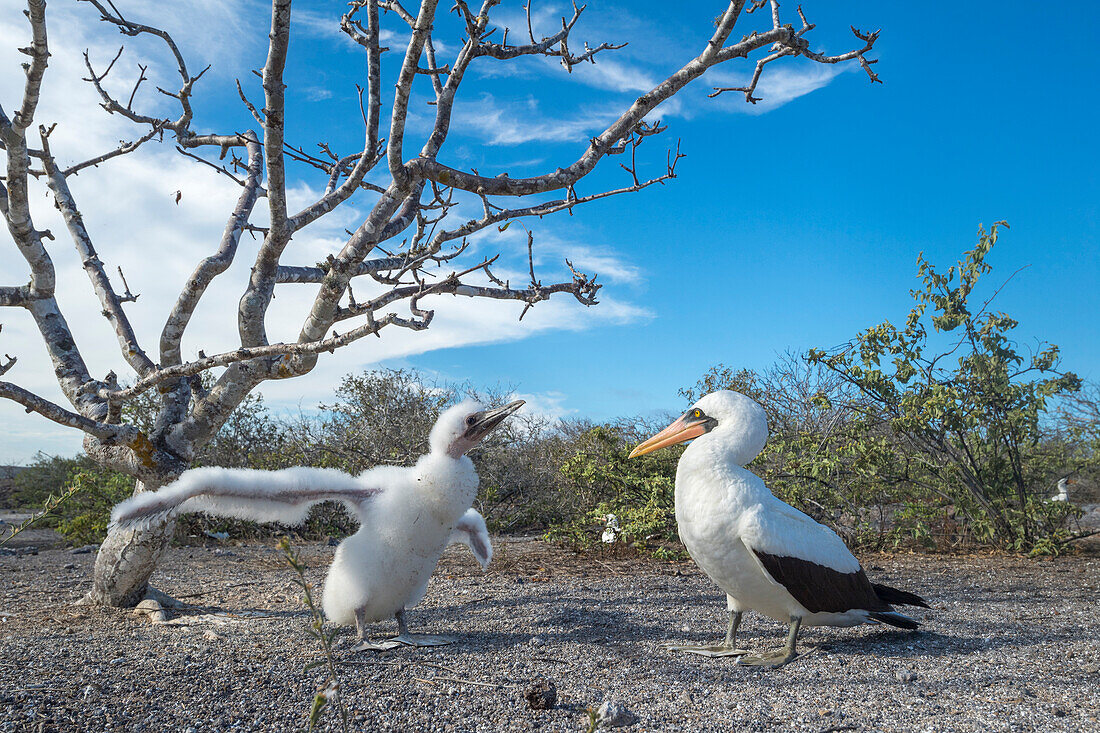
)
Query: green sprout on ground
[
  {"x": 593, "y": 719},
  {"x": 330, "y": 691}
]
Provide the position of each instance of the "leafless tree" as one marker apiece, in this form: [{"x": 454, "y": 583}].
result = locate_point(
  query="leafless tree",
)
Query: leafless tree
[{"x": 409, "y": 241}]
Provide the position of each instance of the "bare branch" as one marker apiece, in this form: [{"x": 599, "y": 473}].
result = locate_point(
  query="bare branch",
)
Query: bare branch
[
  {"x": 421, "y": 30},
  {"x": 181, "y": 127},
  {"x": 797, "y": 46},
  {"x": 251, "y": 107},
  {"x": 582, "y": 288},
  {"x": 275, "y": 117},
  {"x": 40, "y": 54},
  {"x": 14, "y": 296},
  {"x": 126, "y": 297},
  {"x": 223, "y": 170},
  {"x": 122, "y": 149},
  {"x": 215, "y": 264},
  {"x": 612, "y": 137},
  {"x": 546, "y": 47},
  {"x": 108, "y": 298},
  {"x": 287, "y": 274},
  {"x": 109, "y": 434}
]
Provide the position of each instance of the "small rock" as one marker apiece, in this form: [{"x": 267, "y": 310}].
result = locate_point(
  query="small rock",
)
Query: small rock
[
  {"x": 17, "y": 551},
  {"x": 68, "y": 566},
  {"x": 536, "y": 641},
  {"x": 905, "y": 675},
  {"x": 210, "y": 635},
  {"x": 614, "y": 715},
  {"x": 83, "y": 550},
  {"x": 151, "y": 609},
  {"x": 541, "y": 695}
]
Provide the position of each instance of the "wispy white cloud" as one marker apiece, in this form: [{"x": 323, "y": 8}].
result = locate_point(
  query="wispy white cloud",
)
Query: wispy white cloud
[
  {"x": 522, "y": 121},
  {"x": 616, "y": 76},
  {"x": 778, "y": 85},
  {"x": 548, "y": 405},
  {"x": 317, "y": 94},
  {"x": 320, "y": 25}
]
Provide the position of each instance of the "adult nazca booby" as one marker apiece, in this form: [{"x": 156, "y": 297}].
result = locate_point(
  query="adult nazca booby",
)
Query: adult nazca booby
[
  {"x": 766, "y": 555},
  {"x": 1063, "y": 489},
  {"x": 407, "y": 516}
]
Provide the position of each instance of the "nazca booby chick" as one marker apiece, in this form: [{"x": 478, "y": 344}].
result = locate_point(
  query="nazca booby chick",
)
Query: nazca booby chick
[
  {"x": 407, "y": 516},
  {"x": 766, "y": 555}
]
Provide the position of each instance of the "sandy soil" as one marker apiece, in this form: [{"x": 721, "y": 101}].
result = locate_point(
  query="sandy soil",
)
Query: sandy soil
[{"x": 1011, "y": 645}]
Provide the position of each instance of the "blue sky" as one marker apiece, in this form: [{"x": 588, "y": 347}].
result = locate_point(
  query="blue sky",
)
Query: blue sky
[{"x": 792, "y": 224}]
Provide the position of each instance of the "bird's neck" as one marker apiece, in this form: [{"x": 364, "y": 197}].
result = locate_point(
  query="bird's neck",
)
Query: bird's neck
[
  {"x": 445, "y": 485},
  {"x": 709, "y": 473}
]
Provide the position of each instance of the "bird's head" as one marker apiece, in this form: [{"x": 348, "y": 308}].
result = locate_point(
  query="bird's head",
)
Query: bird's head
[
  {"x": 739, "y": 422},
  {"x": 460, "y": 428}
]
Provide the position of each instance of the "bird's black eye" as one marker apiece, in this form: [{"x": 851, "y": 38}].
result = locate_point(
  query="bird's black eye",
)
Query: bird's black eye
[
  {"x": 471, "y": 420},
  {"x": 697, "y": 413}
]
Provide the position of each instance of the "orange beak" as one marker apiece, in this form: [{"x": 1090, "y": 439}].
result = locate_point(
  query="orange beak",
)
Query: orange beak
[{"x": 685, "y": 428}]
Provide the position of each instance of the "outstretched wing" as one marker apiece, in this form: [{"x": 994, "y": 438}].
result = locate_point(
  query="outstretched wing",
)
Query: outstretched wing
[
  {"x": 283, "y": 496},
  {"x": 472, "y": 532}
]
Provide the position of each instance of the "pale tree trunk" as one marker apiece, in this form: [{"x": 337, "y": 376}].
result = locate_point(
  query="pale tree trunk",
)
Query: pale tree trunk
[{"x": 127, "y": 559}]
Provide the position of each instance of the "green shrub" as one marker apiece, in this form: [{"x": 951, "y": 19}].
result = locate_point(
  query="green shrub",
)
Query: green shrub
[{"x": 638, "y": 491}]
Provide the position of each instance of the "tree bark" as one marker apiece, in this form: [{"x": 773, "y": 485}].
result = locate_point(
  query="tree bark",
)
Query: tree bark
[{"x": 127, "y": 559}]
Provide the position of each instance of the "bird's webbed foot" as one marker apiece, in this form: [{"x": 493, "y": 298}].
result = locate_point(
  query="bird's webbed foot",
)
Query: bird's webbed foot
[
  {"x": 403, "y": 638},
  {"x": 409, "y": 639},
  {"x": 779, "y": 657},
  {"x": 768, "y": 659},
  {"x": 728, "y": 647},
  {"x": 715, "y": 650},
  {"x": 376, "y": 646}
]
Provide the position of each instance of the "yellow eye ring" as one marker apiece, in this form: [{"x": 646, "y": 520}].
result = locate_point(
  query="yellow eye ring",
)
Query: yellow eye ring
[{"x": 696, "y": 412}]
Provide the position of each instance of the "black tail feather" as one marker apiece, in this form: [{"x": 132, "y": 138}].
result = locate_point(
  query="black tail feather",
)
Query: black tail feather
[
  {"x": 894, "y": 619},
  {"x": 893, "y": 596}
]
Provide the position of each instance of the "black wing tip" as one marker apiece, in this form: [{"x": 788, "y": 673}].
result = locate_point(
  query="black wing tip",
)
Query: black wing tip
[
  {"x": 893, "y": 596},
  {"x": 895, "y": 619}
]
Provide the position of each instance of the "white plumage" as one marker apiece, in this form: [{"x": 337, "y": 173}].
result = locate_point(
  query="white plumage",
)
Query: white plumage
[
  {"x": 610, "y": 530},
  {"x": 766, "y": 555},
  {"x": 1063, "y": 490},
  {"x": 407, "y": 516}
]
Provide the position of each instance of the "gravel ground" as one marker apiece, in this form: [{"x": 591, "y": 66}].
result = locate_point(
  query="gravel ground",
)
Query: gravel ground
[{"x": 1011, "y": 645}]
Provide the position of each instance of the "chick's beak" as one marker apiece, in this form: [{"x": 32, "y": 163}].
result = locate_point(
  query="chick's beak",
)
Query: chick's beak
[
  {"x": 488, "y": 420},
  {"x": 685, "y": 428}
]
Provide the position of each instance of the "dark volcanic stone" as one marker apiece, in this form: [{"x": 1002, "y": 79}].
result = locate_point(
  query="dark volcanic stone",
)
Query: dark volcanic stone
[{"x": 541, "y": 695}]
